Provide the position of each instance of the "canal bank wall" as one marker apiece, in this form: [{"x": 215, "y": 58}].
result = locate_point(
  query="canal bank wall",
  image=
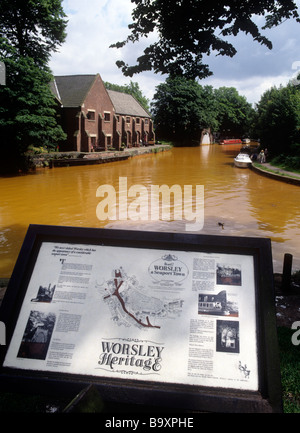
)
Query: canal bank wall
[
  {"x": 276, "y": 173},
  {"x": 65, "y": 159}
]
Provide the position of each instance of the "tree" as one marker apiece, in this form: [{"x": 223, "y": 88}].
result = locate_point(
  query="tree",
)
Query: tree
[
  {"x": 132, "y": 89},
  {"x": 182, "y": 109},
  {"x": 188, "y": 29},
  {"x": 278, "y": 120},
  {"x": 234, "y": 113},
  {"x": 29, "y": 32},
  {"x": 32, "y": 28}
]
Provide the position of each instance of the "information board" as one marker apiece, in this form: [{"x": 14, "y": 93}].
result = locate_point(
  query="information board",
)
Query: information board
[{"x": 143, "y": 308}]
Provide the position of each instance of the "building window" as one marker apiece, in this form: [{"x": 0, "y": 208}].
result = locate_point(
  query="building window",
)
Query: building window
[
  {"x": 127, "y": 119},
  {"x": 90, "y": 115},
  {"x": 106, "y": 116},
  {"x": 137, "y": 120},
  {"x": 146, "y": 121},
  {"x": 108, "y": 140}
]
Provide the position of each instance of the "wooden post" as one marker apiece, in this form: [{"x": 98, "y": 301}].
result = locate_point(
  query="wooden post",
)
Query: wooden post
[{"x": 287, "y": 271}]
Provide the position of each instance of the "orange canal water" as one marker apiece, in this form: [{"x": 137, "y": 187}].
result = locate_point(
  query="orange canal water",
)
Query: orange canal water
[{"x": 247, "y": 203}]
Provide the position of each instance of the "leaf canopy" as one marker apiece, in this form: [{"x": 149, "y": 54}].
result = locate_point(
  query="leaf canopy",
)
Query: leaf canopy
[
  {"x": 34, "y": 28},
  {"x": 182, "y": 108},
  {"x": 29, "y": 32},
  {"x": 189, "y": 29}
]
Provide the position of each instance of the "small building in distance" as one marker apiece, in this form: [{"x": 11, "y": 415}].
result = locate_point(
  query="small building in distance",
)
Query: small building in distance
[
  {"x": 133, "y": 125},
  {"x": 97, "y": 119}
]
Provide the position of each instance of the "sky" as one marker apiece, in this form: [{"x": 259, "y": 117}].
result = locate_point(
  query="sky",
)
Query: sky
[{"x": 96, "y": 24}]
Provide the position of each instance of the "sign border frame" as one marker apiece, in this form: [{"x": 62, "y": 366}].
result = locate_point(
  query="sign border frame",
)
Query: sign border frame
[{"x": 197, "y": 398}]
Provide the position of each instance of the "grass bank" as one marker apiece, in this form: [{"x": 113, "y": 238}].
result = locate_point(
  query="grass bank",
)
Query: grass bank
[
  {"x": 277, "y": 173},
  {"x": 287, "y": 162},
  {"x": 290, "y": 371},
  {"x": 281, "y": 170}
]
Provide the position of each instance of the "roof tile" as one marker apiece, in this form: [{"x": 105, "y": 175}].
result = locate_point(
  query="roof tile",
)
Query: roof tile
[
  {"x": 126, "y": 104},
  {"x": 73, "y": 89}
]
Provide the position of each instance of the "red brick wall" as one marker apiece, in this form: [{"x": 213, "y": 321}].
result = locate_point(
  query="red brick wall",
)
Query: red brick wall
[
  {"x": 117, "y": 132},
  {"x": 70, "y": 118},
  {"x": 94, "y": 126},
  {"x": 100, "y": 127}
]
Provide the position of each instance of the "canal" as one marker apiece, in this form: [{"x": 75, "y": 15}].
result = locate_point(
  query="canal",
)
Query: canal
[{"x": 246, "y": 203}]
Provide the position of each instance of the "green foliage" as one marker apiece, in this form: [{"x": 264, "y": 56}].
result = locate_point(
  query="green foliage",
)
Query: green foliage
[
  {"x": 29, "y": 32},
  {"x": 288, "y": 162},
  {"x": 32, "y": 28},
  {"x": 132, "y": 89},
  {"x": 27, "y": 111},
  {"x": 233, "y": 111},
  {"x": 188, "y": 29},
  {"x": 182, "y": 108},
  {"x": 278, "y": 119},
  {"x": 289, "y": 365}
]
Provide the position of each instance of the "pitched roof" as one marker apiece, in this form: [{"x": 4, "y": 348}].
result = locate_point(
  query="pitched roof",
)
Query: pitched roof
[
  {"x": 126, "y": 104},
  {"x": 54, "y": 90},
  {"x": 73, "y": 89}
]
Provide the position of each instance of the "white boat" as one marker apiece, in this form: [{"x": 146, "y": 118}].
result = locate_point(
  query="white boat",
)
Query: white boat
[{"x": 242, "y": 160}]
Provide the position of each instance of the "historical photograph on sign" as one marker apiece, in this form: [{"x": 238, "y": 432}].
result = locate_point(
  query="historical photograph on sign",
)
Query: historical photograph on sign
[
  {"x": 228, "y": 338},
  {"x": 137, "y": 313},
  {"x": 220, "y": 304},
  {"x": 229, "y": 274},
  {"x": 44, "y": 294},
  {"x": 37, "y": 335}
]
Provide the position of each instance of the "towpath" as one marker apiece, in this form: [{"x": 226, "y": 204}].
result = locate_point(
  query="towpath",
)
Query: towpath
[{"x": 277, "y": 173}]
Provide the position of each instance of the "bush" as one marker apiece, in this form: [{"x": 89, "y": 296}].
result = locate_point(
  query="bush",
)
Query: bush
[
  {"x": 287, "y": 161},
  {"x": 36, "y": 150}
]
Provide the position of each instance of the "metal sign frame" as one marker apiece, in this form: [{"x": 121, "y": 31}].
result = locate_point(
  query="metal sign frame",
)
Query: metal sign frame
[{"x": 190, "y": 395}]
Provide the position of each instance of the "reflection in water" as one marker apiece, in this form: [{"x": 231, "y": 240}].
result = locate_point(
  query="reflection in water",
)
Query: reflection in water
[{"x": 246, "y": 203}]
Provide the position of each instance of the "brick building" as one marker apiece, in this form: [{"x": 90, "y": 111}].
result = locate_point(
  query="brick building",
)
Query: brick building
[
  {"x": 133, "y": 125},
  {"x": 96, "y": 119}
]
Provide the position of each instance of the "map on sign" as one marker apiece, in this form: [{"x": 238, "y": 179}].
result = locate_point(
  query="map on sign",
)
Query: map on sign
[
  {"x": 186, "y": 317},
  {"x": 131, "y": 306}
]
